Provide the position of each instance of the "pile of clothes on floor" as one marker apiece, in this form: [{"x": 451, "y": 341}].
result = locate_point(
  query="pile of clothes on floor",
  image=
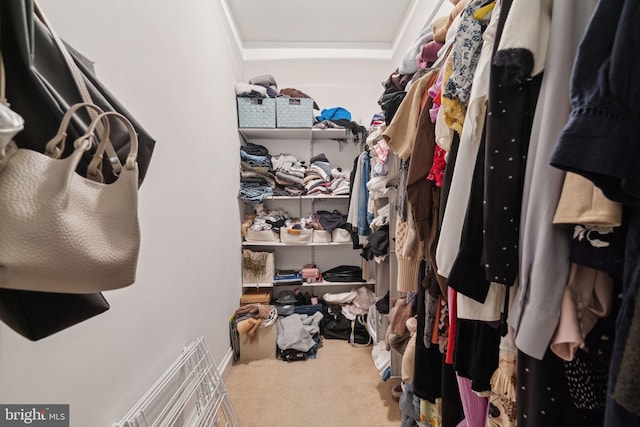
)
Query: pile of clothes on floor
[
  {"x": 298, "y": 334},
  {"x": 345, "y": 315}
]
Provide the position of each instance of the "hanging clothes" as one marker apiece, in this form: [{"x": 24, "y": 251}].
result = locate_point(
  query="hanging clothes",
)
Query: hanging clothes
[
  {"x": 427, "y": 383},
  {"x": 511, "y": 106},
  {"x": 599, "y": 142},
  {"x": 467, "y": 154},
  {"x": 544, "y": 271}
]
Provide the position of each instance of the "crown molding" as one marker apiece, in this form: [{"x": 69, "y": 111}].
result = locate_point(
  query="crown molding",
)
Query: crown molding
[
  {"x": 264, "y": 51},
  {"x": 315, "y": 53}
]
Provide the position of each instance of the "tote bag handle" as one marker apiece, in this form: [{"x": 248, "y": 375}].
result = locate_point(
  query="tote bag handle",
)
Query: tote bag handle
[{"x": 77, "y": 77}]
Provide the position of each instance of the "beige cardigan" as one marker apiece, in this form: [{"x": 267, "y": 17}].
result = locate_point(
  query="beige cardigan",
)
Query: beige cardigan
[{"x": 401, "y": 132}]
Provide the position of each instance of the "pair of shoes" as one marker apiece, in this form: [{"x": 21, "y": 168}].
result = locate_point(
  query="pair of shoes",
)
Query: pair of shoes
[
  {"x": 307, "y": 298},
  {"x": 302, "y": 298}
]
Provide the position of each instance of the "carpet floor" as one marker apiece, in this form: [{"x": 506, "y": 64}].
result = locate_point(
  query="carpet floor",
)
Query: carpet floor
[{"x": 341, "y": 387}]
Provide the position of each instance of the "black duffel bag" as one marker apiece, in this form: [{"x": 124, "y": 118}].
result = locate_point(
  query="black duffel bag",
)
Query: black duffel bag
[{"x": 334, "y": 325}]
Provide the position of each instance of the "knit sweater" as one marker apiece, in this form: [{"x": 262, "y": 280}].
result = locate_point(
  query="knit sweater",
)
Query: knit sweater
[{"x": 409, "y": 254}]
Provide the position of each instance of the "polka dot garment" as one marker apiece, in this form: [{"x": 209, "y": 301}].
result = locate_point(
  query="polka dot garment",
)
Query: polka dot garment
[{"x": 544, "y": 398}]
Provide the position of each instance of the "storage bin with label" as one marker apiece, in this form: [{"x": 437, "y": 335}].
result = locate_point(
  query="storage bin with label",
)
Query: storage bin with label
[
  {"x": 256, "y": 112},
  {"x": 294, "y": 112}
]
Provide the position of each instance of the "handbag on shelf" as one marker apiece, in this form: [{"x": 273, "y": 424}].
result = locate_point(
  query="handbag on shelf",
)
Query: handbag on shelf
[
  {"x": 59, "y": 231},
  {"x": 344, "y": 273}
]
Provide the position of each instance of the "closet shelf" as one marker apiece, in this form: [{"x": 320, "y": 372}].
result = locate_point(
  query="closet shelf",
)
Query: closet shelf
[
  {"x": 341, "y": 196},
  {"x": 308, "y": 285},
  {"x": 319, "y": 197},
  {"x": 295, "y": 244},
  {"x": 280, "y": 133},
  {"x": 327, "y": 283}
]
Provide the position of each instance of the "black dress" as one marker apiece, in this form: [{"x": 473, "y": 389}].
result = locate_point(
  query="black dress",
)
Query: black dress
[{"x": 510, "y": 111}]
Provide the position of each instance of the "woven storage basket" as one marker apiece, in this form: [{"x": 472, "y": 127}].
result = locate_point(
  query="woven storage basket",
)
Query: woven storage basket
[{"x": 256, "y": 112}]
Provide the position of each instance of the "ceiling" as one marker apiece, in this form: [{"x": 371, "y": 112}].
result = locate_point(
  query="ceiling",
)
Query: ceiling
[{"x": 280, "y": 29}]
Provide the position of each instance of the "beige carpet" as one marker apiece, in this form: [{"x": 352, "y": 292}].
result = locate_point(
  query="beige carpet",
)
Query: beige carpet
[{"x": 341, "y": 387}]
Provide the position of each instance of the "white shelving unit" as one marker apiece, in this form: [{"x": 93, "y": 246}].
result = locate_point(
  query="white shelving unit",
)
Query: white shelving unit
[
  {"x": 306, "y": 134},
  {"x": 339, "y": 147},
  {"x": 295, "y": 244},
  {"x": 319, "y": 197}
]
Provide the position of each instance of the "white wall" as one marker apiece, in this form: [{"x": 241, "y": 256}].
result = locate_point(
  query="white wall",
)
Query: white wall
[
  {"x": 170, "y": 63},
  {"x": 418, "y": 18}
]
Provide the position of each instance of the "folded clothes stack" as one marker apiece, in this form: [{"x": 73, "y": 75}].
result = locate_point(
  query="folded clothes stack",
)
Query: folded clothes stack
[
  {"x": 340, "y": 184},
  {"x": 289, "y": 172},
  {"x": 256, "y": 179},
  {"x": 318, "y": 176},
  {"x": 254, "y": 191}
]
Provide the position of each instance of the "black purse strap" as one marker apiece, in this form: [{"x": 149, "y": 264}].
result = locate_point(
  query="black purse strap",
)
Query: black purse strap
[{"x": 80, "y": 84}]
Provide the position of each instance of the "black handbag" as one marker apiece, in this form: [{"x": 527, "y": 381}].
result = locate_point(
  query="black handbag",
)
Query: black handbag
[
  {"x": 343, "y": 273},
  {"x": 41, "y": 88},
  {"x": 36, "y": 315},
  {"x": 334, "y": 325}
]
